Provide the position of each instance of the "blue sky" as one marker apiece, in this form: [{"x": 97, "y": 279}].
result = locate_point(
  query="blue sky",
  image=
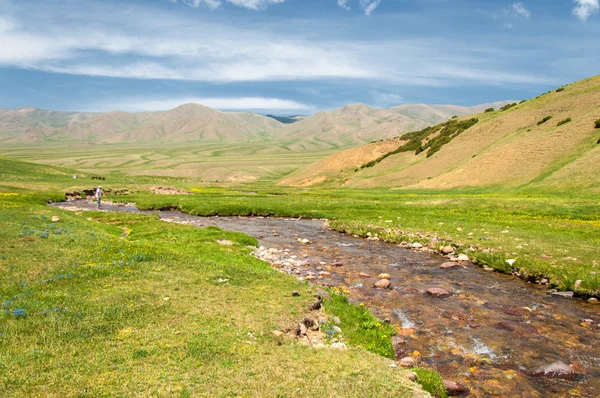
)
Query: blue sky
[{"x": 289, "y": 56}]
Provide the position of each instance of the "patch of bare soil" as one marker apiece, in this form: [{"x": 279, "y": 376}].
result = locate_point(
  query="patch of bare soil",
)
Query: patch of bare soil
[{"x": 168, "y": 191}]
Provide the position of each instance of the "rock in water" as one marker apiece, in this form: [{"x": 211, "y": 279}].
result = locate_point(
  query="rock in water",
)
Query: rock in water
[
  {"x": 398, "y": 343},
  {"x": 448, "y": 265},
  {"x": 454, "y": 388},
  {"x": 364, "y": 275},
  {"x": 557, "y": 370},
  {"x": 566, "y": 295},
  {"x": 382, "y": 284},
  {"x": 437, "y": 292},
  {"x": 384, "y": 276},
  {"x": 416, "y": 245}
]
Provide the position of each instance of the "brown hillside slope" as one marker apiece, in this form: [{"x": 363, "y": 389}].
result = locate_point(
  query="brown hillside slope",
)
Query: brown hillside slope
[
  {"x": 340, "y": 163},
  {"x": 506, "y": 148}
]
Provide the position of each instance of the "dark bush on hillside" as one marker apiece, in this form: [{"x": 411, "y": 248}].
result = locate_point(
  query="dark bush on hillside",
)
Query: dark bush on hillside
[
  {"x": 598, "y": 124},
  {"x": 568, "y": 120},
  {"x": 560, "y": 89},
  {"x": 450, "y": 131},
  {"x": 507, "y": 107},
  {"x": 544, "y": 120},
  {"x": 522, "y": 101},
  {"x": 488, "y": 110},
  {"x": 447, "y": 132},
  {"x": 454, "y": 117}
]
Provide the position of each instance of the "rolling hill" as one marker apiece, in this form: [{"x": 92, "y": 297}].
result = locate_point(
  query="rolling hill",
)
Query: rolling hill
[
  {"x": 341, "y": 128},
  {"x": 550, "y": 141}
]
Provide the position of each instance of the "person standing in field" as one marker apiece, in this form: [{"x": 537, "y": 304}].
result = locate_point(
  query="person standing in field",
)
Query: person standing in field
[{"x": 98, "y": 195}]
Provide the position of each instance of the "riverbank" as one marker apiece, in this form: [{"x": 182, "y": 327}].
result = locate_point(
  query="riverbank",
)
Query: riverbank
[{"x": 125, "y": 304}]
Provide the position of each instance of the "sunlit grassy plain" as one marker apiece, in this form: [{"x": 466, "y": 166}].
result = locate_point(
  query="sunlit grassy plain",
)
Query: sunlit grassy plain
[
  {"x": 103, "y": 304},
  {"x": 97, "y": 322}
]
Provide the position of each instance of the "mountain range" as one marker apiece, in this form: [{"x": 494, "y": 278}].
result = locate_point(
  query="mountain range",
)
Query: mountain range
[{"x": 345, "y": 127}]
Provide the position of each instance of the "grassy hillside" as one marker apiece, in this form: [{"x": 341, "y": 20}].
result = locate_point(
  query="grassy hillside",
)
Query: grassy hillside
[{"x": 550, "y": 141}]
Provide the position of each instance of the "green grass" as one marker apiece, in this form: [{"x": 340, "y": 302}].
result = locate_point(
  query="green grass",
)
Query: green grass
[
  {"x": 360, "y": 327},
  {"x": 431, "y": 382},
  {"x": 522, "y": 225},
  {"x": 103, "y": 304}
]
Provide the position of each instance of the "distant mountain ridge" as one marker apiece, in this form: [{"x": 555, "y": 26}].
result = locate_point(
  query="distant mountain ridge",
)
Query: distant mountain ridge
[{"x": 345, "y": 127}]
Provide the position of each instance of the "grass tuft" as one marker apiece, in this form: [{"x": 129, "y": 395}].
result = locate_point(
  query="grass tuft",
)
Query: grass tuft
[{"x": 431, "y": 382}]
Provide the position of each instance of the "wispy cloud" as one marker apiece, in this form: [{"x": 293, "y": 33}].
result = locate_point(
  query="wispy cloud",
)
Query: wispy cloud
[
  {"x": 585, "y": 8},
  {"x": 134, "y": 44},
  {"x": 214, "y": 4},
  {"x": 520, "y": 10},
  {"x": 224, "y": 104},
  {"x": 344, "y": 4},
  {"x": 369, "y": 6}
]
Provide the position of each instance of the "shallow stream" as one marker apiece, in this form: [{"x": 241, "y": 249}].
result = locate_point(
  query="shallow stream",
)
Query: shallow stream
[{"x": 490, "y": 334}]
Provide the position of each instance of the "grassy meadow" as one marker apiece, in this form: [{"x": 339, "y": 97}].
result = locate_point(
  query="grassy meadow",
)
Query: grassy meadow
[
  {"x": 102, "y": 304},
  {"x": 552, "y": 236}
]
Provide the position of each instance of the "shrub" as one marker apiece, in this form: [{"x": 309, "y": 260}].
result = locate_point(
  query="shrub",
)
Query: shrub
[
  {"x": 598, "y": 124},
  {"x": 488, "y": 110},
  {"x": 568, "y": 120},
  {"x": 507, "y": 107},
  {"x": 431, "y": 382},
  {"x": 544, "y": 120},
  {"x": 523, "y": 101},
  {"x": 560, "y": 89}
]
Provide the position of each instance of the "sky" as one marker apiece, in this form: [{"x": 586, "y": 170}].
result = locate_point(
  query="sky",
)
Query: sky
[{"x": 289, "y": 56}]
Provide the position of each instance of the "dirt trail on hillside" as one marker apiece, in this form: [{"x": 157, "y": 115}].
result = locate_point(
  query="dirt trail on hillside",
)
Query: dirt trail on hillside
[{"x": 491, "y": 334}]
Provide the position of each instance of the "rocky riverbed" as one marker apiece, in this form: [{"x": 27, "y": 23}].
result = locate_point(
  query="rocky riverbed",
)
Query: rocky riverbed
[{"x": 493, "y": 334}]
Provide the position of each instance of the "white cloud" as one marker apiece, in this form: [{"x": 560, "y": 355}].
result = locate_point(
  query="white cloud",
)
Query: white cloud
[
  {"x": 225, "y": 104},
  {"x": 344, "y": 4},
  {"x": 369, "y": 5},
  {"x": 520, "y": 10},
  {"x": 135, "y": 44},
  {"x": 214, "y": 4},
  {"x": 585, "y": 8}
]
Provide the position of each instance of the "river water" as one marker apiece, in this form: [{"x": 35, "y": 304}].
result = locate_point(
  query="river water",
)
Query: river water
[{"x": 490, "y": 334}]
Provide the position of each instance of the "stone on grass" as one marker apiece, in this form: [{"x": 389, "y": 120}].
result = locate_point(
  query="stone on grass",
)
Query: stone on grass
[
  {"x": 412, "y": 376},
  {"x": 295, "y": 293},
  {"x": 382, "y": 284},
  {"x": 407, "y": 362},
  {"x": 55, "y": 219},
  {"x": 447, "y": 249},
  {"x": 463, "y": 257},
  {"x": 416, "y": 245},
  {"x": 339, "y": 346},
  {"x": 437, "y": 292}
]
